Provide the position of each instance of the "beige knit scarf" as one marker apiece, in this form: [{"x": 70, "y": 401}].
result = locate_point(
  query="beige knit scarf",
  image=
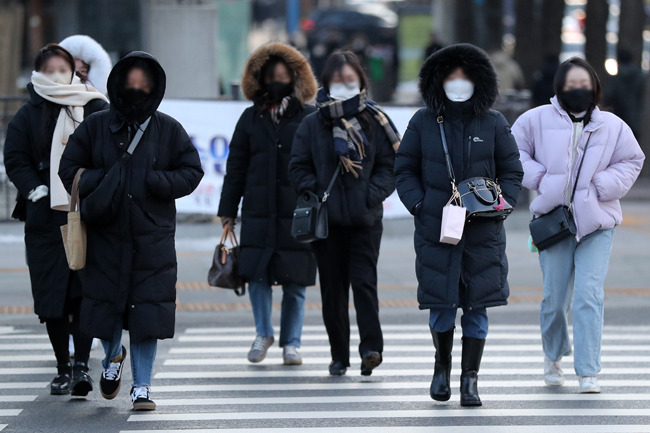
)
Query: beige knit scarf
[{"x": 73, "y": 96}]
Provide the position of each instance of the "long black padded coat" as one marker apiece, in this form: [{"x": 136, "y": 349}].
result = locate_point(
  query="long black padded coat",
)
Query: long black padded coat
[
  {"x": 472, "y": 274},
  {"x": 258, "y": 171},
  {"x": 27, "y": 161},
  {"x": 130, "y": 271}
]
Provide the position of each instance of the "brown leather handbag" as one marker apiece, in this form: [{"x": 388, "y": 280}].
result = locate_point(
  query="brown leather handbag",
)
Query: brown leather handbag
[{"x": 224, "y": 272}]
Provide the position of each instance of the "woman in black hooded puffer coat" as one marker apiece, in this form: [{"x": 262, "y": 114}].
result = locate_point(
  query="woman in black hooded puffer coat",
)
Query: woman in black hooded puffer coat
[{"x": 458, "y": 85}]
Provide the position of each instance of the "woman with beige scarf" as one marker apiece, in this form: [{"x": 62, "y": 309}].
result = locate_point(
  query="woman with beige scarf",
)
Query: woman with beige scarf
[{"x": 36, "y": 138}]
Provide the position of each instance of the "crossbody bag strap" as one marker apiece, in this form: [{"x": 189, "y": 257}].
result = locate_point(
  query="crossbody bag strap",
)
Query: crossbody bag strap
[
  {"x": 575, "y": 185},
  {"x": 331, "y": 185},
  {"x": 136, "y": 139},
  {"x": 445, "y": 148}
]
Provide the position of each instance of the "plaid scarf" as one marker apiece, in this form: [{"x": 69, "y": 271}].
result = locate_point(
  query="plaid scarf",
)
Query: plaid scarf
[
  {"x": 277, "y": 111},
  {"x": 349, "y": 140}
]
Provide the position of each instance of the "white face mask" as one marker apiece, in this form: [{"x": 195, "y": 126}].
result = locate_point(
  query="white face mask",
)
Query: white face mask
[
  {"x": 459, "y": 89},
  {"x": 344, "y": 91},
  {"x": 60, "y": 77}
]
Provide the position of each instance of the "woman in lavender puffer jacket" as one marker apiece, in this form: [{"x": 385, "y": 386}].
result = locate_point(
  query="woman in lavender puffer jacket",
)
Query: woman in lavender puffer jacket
[{"x": 551, "y": 141}]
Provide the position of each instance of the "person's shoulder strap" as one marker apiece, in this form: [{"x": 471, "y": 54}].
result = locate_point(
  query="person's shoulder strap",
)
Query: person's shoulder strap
[
  {"x": 575, "y": 184},
  {"x": 136, "y": 139},
  {"x": 331, "y": 185}
]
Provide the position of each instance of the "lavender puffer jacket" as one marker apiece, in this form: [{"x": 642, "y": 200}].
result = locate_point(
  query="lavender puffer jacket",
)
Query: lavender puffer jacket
[{"x": 612, "y": 164}]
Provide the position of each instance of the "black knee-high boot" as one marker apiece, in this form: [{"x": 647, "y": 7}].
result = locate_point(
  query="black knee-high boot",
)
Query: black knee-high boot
[
  {"x": 443, "y": 342},
  {"x": 470, "y": 364}
]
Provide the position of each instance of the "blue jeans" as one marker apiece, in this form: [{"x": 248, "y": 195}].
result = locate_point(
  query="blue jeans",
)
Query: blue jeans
[
  {"x": 474, "y": 322},
  {"x": 291, "y": 316},
  {"x": 585, "y": 263},
  {"x": 143, "y": 355}
]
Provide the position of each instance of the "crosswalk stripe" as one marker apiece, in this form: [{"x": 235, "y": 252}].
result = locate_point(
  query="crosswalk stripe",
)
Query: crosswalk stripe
[
  {"x": 405, "y": 336},
  {"x": 10, "y": 412},
  {"x": 562, "y": 428},
  {"x": 21, "y": 385},
  {"x": 403, "y": 360},
  {"x": 404, "y": 328},
  {"x": 26, "y": 358},
  {"x": 336, "y": 386},
  {"x": 2, "y": 426},
  {"x": 17, "y": 398},
  {"x": 414, "y": 413},
  {"x": 381, "y": 372},
  {"x": 26, "y": 346},
  {"x": 24, "y": 337},
  {"x": 27, "y": 370},
  {"x": 398, "y": 348},
  {"x": 390, "y": 398}
]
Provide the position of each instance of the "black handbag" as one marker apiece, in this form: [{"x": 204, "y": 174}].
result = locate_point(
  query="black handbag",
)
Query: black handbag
[
  {"x": 559, "y": 224},
  {"x": 224, "y": 272},
  {"x": 310, "y": 221},
  {"x": 481, "y": 196},
  {"x": 102, "y": 205}
]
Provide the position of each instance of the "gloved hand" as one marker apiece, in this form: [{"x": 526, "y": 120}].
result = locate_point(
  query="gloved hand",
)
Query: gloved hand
[
  {"x": 228, "y": 221},
  {"x": 38, "y": 193}
]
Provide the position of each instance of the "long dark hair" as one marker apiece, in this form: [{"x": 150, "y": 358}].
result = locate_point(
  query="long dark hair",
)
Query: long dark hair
[
  {"x": 334, "y": 64},
  {"x": 53, "y": 50},
  {"x": 51, "y": 109},
  {"x": 560, "y": 80}
]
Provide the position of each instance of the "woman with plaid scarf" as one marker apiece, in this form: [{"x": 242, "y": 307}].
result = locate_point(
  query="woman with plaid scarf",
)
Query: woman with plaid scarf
[{"x": 352, "y": 134}]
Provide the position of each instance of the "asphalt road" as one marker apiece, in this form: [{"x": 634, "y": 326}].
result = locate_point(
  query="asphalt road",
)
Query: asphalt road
[{"x": 203, "y": 382}]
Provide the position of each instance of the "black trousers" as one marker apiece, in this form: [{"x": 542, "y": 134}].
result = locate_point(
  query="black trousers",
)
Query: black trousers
[
  {"x": 349, "y": 257},
  {"x": 59, "y": 330}
]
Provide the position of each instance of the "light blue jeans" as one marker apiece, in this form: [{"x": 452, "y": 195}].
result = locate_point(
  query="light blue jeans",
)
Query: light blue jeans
[
  {"x": 142, "y": 355},
  {"x": 291, "y": 316},
  {"x": 474, "y": 322},
  {"x": 575, "y": 269}
]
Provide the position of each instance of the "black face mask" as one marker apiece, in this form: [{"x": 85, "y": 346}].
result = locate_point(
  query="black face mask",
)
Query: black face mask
[
  {"x": 278, "y": 90},
  {"x": 577, "y": 100},
  {"x": 132, "y": 97}
]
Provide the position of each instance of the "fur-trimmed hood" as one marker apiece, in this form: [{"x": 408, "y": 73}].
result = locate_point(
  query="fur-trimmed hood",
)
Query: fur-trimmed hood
[
  {"x": 91, "y": 52},
  {"x": 305, "y": 85},
  {"x": 474, "y": 62}
]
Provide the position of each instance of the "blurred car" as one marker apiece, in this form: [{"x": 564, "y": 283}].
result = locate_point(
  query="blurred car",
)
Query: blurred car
[{"x": 369, "y": 30}]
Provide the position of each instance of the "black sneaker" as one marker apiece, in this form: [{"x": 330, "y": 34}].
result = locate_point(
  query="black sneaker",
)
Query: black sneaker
[
  {"x": 60, "y": 385},
  {"x": 337, "y": 368},
  {"x": 141, "y": 399},
  {"x": 82, "y": 384},
  {"x": 370, "y": 361},
  {"x": 111, "y": 381}
]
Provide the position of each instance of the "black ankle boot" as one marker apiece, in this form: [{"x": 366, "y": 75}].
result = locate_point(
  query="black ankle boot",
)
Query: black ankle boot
[
  {"x": 82, "y": 383},
  {"x": 444, "y": 343},
  {"x": 60, "y": 385},
  {"x": 472, "y": 354}
]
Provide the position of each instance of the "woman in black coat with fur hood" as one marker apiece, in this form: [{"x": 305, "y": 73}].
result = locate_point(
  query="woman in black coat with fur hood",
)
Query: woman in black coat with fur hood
[
  {"x": 458, "y": 85},
  {"x": 279, "y": 80}
]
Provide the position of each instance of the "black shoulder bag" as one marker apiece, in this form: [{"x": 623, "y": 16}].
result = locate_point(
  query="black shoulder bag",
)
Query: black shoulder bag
[
  {"x": 310, "y": 217},
  {"x": 481, "y": 196},
  {"x": 557, "y": 225}
]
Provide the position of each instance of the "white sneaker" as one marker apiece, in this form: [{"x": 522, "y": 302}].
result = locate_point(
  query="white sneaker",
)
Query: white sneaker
[
  {"x": 259, "y": 348},
  {"x": 553, "y": 374},
  {"x": 291, "y": 356},
  {"x": 589, "y": 385}
]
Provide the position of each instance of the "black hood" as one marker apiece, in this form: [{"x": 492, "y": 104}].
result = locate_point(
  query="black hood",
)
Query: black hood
[
  {"x": 117, "y": 78},
  {"x": 474, "y": 62}
]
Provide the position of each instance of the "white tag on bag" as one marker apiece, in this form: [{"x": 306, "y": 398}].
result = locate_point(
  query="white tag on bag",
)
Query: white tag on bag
[{"x": 453, "y": 219}]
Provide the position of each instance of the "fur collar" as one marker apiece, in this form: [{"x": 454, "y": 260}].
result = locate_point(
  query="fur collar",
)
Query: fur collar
[
  {"x": 305, "y": 86},
  {"x": 476, "y": 64}
]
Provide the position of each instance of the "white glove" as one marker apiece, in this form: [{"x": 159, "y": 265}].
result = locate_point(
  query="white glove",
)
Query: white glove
[{"x": 38, "y": 193}]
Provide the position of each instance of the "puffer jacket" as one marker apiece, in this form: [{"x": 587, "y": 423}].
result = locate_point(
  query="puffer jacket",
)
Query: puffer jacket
[{"x": 611, "y": 165}]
